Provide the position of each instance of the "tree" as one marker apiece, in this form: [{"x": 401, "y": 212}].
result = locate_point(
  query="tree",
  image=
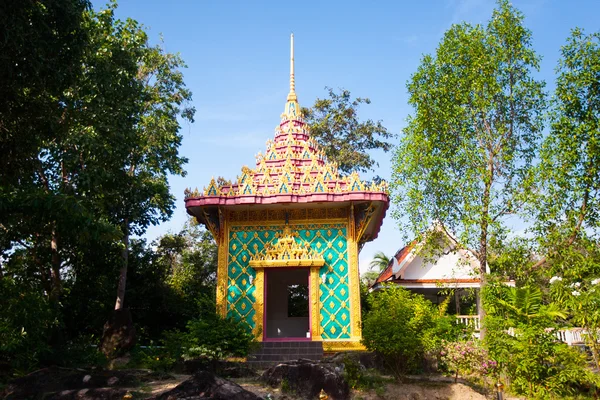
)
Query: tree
[
  {"x": 335, "y": 126},
  {"x": 569, "y": 172},
  {"x": 95, "y": 169},
  {"x": 42, "y": 44},
  {"x": 379, "y": 262},
  {"x": 467, "y": 152}
]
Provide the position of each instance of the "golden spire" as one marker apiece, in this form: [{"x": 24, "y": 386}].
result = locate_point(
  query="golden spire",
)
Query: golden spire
[
  {"x": 292, "y": 94},
  {"x": 292, "y": 108}
]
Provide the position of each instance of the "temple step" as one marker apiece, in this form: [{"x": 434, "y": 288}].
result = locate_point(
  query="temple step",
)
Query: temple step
[{"x": 270, "y": 353}]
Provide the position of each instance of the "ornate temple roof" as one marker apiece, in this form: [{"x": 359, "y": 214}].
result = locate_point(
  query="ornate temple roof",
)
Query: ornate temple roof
[{"x": 292, "y": 170}]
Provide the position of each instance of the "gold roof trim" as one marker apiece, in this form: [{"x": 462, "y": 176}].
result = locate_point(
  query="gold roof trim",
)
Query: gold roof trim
[{"x": 287, "y": 253}]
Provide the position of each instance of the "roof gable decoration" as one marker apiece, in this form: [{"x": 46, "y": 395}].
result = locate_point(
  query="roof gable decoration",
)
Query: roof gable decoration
[{"x": 287, "y": 252}]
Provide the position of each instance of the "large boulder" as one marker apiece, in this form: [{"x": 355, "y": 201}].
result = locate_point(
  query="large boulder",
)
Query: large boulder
[
  {"x": 307, "y": 378},
  {"x": 118, "y": 336},
  {"x": 205, "y": 385}
]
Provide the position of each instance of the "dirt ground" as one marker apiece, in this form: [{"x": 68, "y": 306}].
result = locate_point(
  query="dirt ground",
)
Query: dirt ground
[
  {"x": 393, "y": 391},
  {"x": 422, "y": 391},
  {"x": 417, "y": 388}
]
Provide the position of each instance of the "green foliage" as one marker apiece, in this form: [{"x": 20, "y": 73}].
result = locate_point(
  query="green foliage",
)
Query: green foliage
[
  {"x": 577, "y": 288},
  {"x": 467, "y": 357},
  {"x": 466, "y": 155},
  {"x": 379, "y": 262},
  {"x": 43, "y": 42},
  {"x": 569, "y": 172},
  {"x": 170, "y": 283},
  {"x": 402, "y": 327},
  {"x": 285, "y": 386},
  {"x": 521, "y": 339},
  {"x": 346, "y": 140},
  {"x": 26, "y": 319},
  {"x": 360, "y": 378},
  {"x": 209, "y": 337},
  {"x": 91, "y": 164}
]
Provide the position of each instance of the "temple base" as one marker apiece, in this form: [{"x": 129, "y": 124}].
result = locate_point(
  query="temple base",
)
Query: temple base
[{"x": 343, "y": 345}]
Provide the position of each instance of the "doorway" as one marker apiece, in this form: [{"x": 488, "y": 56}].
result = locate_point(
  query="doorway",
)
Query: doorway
[{"x": 287, "y": 305}]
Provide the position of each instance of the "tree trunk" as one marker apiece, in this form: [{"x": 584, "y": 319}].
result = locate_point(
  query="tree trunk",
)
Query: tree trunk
[
  {"x": 123, "y": 272},
  {"x": 482, "y": 256},
  {"x": 55, "y": 269}
]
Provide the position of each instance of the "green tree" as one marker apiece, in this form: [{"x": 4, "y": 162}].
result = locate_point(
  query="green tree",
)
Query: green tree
[
  {"x": 467, "y": 152},
  {"x": 97, "y": 170},
  {"x": 42, "y": 44},
  {"x": 569, "y": 171},
  {"x": 379, "y": 262},
  {"x": 346, "y": 140}
]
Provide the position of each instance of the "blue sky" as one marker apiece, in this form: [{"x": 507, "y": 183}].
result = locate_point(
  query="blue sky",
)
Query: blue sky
[{"x": 237, "y": 55}]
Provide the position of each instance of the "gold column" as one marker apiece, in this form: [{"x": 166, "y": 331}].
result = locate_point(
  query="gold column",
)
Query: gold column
[
  {"x": 354, "y": 284},
  {"x": 353, "y": 279},
  {"x": 315, "y": 317},
  {"x": 222, "y": 240},
  {"x": 259, "y": 303}
]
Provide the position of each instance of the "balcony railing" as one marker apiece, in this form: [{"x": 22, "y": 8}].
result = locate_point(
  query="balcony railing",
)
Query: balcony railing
[
  {"x": 470, "y": 321},
  {"x": 570, "y": 336}
]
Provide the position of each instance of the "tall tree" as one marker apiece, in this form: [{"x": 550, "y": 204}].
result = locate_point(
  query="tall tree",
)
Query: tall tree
[
  {"x": 335, "y": 124},
  {"x": 569, "y": 171},
  {"x": 42, "y": 44},
  {"x": 97, "y": 169},
  {"x": 568, "y": 221},
  {"x": 467, "y": 152}
]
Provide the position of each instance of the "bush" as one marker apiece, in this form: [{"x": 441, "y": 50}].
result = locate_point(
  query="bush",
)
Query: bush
[
  {"x": 401, "y": 327},
  {"x": 210, "y": 337},
  {"x": 520, "y": 338},
  {"x": 467, "y": 357},
  {"x": 27, "y": 320}
]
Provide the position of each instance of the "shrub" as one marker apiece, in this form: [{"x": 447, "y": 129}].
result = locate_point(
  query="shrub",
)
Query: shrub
[
  {"x": 401, "y": 327},
  {"x": 210, "y": 337},
  {"x": 27, "y": 320},
  {"x": 520, "y": 337},
  {"x": 467, "y": 357}
]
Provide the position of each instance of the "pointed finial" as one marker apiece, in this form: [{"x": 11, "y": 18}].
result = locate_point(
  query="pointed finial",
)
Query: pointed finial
[
  {"x": 292, "y": 108},
  {"x": 292, "y": 82},
  {"x": 292, "y": 94}
]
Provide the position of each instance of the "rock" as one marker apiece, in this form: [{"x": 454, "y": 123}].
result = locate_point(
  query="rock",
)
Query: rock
[
  {"x": 70, "y": 383},
  {"x": 307, "y": 378},
  {"x": 119, "y": 334},
  {"x": 205, "y": 385},
  {"x": 89, "y": 394},
  {"x": 112, "y": 381},
  {"x": 119, "y": 362}
]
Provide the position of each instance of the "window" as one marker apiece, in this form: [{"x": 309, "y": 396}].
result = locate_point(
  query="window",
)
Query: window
[{"x": 297, "y": 301}]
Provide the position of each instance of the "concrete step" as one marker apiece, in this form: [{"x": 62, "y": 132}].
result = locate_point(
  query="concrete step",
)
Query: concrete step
[{"x": 271, "y": 353}]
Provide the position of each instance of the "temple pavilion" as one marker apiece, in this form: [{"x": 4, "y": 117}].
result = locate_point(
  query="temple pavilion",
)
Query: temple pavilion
[{"x": 288, "y": 233}]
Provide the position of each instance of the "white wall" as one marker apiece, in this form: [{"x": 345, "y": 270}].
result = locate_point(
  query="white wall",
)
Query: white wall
[
  {"x": 450, "y": 265},
  {"x": 279, "y": 325}
]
